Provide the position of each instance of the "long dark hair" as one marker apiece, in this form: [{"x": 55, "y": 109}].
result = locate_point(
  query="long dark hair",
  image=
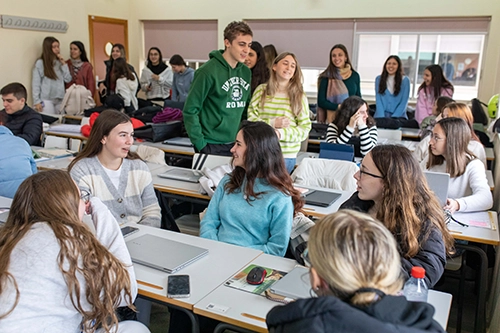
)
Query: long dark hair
[
  {"x": 346, "y": 110},
  {"x": 398, "y": 77},
  {"x": 150, "y": 64},
  {"x": 263, "y": 159},
  {"x": 260, "y": 72},
  {"x": 103, "y": 125},
  {"x": 438, "y": 81},
  {"x": 332, "y": 72},
  {"x": 49, "y": 57},
  {"x": 81, "y": 47},
  {"x": 121, "y": 69}
]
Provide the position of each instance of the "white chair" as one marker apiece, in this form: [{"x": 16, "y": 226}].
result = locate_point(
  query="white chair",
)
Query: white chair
[
  {"x": 334, "y": 174},
  {"x": 210, "y": 161},
  {"x": 390, "y": 134},
  {"x": 149, "y": 154}
]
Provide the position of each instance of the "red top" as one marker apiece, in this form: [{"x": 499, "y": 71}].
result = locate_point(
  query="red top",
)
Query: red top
[
  {"x": 418, "y": 272},
  {"x": 85, "y": 76}
]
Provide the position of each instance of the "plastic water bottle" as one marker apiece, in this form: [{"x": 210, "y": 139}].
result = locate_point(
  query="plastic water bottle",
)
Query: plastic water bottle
[{"x": 415, "y": 288}]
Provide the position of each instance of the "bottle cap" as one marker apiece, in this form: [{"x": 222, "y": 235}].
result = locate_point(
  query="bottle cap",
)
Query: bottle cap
[{"x": 418, "y": 272}]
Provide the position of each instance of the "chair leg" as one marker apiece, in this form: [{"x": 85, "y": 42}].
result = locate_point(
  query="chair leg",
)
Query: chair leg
[{"x": 460, "y": 299}]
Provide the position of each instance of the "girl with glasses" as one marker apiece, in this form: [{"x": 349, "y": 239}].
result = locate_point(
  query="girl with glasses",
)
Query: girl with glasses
[
  {"x": 392, "y": 188},
  {"x": 356, "y": 292},
  {"x": 468, "y": 190}
]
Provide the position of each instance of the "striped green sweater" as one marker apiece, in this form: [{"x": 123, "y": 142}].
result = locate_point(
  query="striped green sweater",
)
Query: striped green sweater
[{"x": 274, "y": 107}]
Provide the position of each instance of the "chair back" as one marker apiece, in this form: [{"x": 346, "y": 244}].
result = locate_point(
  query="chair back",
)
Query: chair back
[
  {"x": 336, "y": 151},
  {"x": 390, "y": 134},
  {"x": 210, "y": 161},
  {"x": 326, "y": 173}
]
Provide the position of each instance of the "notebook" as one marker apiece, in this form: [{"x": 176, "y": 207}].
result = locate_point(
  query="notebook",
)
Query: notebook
[
  {"x": 186, "y": 175},
  {"x": 163, "y": 254},
  {"x": 321, "y": 198},
  {"x": 438, "y": 183},
  {"x": 296, "y": 284},
  {"x": 184, "y": 142}
]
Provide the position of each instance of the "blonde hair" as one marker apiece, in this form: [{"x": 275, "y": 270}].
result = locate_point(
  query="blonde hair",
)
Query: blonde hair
[
  {"x": 350, "y": 250},
  {"x": 295, "y": 91},
  {"x": 462, "y": 110}
]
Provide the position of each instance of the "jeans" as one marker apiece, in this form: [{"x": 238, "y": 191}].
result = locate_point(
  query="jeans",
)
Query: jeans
[{"x": 290, "y": 164}]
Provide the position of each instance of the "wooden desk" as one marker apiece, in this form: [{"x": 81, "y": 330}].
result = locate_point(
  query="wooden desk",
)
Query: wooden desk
[
  {"x": 249, "y": 311},
  {"x": 411, "y": 133}
]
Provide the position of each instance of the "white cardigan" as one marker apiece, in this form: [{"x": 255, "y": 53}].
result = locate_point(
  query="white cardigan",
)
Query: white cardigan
[
  {"x": 160, "y": 88},
  {"x": 471, "y": 189},
  {"x": 127, "y": 89}
]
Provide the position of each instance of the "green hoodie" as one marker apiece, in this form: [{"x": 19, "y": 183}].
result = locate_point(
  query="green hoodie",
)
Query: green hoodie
[{"x": 217, "y": 98}]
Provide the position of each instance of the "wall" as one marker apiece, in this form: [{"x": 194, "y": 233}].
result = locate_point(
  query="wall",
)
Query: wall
[{"x": 20, "y": 48}]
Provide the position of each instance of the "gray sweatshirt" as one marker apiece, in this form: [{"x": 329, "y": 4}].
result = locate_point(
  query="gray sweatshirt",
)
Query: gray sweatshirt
[
  {"x": 44, "y": 88},
  {"x": 181, "y": 85}
]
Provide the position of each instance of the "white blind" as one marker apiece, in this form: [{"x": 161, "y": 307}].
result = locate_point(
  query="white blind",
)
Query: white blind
[{"x": 455, "y": 25}]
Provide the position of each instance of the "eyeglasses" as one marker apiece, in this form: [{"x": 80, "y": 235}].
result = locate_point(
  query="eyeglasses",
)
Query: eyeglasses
[
  {"x": 361, "y": 173},
  {"x": 85, "y": 195},
  {"x": 436, "y": 138}
]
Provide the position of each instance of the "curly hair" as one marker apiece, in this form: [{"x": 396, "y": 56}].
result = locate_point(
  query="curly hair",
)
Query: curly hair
[{"x": 81, "y": 254}]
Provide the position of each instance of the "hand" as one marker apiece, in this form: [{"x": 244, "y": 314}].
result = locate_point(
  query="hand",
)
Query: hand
[
  {"x": 149, "y": 87},
  {"x": 277, "y": 133},
  {"x": 102, "y": 89},
  {"x": 155, "y": 77},
  {"x": 452, "y": 205},
  {"x": 353, "y": 122},
  {"x": 281, "y": 122},
  {"x": 60, "y": 58},
  {"x": 38, "y": 107}
]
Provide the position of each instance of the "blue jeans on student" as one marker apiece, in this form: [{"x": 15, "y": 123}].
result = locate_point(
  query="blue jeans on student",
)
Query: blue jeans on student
[{"x": 290, "y": 164}]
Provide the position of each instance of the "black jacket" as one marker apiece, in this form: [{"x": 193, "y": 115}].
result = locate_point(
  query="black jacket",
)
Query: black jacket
[
  {"x": 27, "y": 124},
  {"x": 432, "y": 254},
  {"x": 392, "y": 314}
]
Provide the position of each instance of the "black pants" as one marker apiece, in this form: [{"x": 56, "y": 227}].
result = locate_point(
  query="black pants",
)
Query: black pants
[{"x": 223, "y": 149}]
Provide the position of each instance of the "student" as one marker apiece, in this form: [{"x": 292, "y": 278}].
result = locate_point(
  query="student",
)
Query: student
[
  {"x": 16, "y": 160},
  {"x": 428, "y": 123},
  {"x": 262, "y": 191},
  {"x": 107, "y": 87},
  {"x": 156, "y": 77},
  {"x": 356, "y": 276},
  {"x": 49, "y": 75},
  {"x": 337, "y": 82},
  {"x": 392, "y": 90},
  {"x": 56, "y": 274},
  {"x": 270, "y": 54},
  {"x": 469, "y": 190},
  {"x": 256, "y": 61},
  {"x": 458, "y": 110},
  {"x": 393, "y": 189},
  {"x": 22, "y": 120},
  {"x": 183, "y": 76},
  {"x": 107, "y": 169},
  {"x": 81, "y": 69},
  {"x": 354, "y": 125},
  {"x": 125, "y": 83},
  {"x": 282, "y": 104},
  {"x": 220, "y": 93},
  {"x": 433, "y": 86}
]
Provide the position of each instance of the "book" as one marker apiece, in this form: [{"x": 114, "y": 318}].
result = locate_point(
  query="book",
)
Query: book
[
  {"x": 54, "y": 152},
  {"x": 239, "y": 281}
]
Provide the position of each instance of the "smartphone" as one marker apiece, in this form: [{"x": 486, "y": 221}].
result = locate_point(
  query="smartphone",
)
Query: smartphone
[
  {"x": 178, "y": 286},
  {"x": 126, "y": 231}
]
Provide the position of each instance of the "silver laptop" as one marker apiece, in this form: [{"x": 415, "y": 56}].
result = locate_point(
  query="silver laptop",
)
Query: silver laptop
[
  {"x": 163, "y": 254},
  {"x": 439, "y": 183},
  {"x": 3, "y": 216},
  {"x": 296, "y": 284},
  {"x": 186, "y": 175}
]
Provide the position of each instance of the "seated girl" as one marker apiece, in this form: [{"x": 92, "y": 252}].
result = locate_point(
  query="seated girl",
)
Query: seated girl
[
  {"x": 393, "y": 189},
  {"x": 469, "y": 190},
  {"x": 254, "y": 205},
  {"x": 126, "y": 83},
  {"x": 110, "y": 171},
  {"x": 356, "y": 292},
  {"x": 54, "y": 268},
  {"x": 353, "y": 125}
]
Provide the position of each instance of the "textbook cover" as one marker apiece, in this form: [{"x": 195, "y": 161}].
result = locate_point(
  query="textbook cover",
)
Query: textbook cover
[{"x": 239, "y": 281}]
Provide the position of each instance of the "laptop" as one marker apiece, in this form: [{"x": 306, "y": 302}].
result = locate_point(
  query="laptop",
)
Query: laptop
[
  {"x": 321, "y": 198},
  {"x": 438, "y": 183},
  {"x": 163, "y": 254},
  {"x": 3, "y": 216},
  {"x": 184, "y": 142},
  {"x": 186, "y": 175},
  {"x": 336, "y": 151},
  {"x": 296, "y": 284}
]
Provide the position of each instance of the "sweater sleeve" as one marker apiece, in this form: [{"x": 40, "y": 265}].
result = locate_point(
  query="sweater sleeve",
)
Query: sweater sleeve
[
  {"x": 300, "y": 127},
  {"x": 197, "y": 94},
  {"x": 151, "y": 212},
  {"x": 66, "y": 74},
  {"x": 32, "y": 130},
  {"x": 280, "y": 227},
  {"x": 379, "y": 100},
  {"x": 481, "y": 198},
  {"x": 332, "y": 133},
  {"x": 402, "y": 99},
  {"x": 254, "y": 108},
  {"x": 36, "y": 83},
  {"x": 166, "y": 78},
  {"x": 209, "y": 226},
  {"x": 368, "y": 138},
  {"x": 323, "y": 102},
  {"x": 175, "y": 93}
]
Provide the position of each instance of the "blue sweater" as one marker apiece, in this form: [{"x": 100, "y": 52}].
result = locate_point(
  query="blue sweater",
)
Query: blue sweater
[
  {"x": 264, "y": 224},
  {"x": 16, "y": 162},
  {"x": 395, "y": 105}
]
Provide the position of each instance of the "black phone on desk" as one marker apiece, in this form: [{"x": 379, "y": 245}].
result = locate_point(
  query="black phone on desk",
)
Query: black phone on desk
[
  {"x": 126, "y": 231},
  {"x": 178, "y": 286}
]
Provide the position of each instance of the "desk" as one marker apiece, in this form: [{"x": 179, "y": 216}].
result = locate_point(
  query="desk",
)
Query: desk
[
  {"x": 490, "y": 154},
  {"x": 318, "y": 211},
  {"x": 249, "y": 311},
  {"x": 411, "y": 133},
  {"x": 176, "y": 187},
  {"x": 172, "y": 151}
]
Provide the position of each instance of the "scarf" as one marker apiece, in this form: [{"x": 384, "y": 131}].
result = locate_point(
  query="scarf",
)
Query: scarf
[
  {"x": 77, "y": 65},
  {"x": 158, "y": 69}
]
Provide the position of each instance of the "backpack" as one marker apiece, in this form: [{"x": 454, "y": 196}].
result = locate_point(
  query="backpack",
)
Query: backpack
[{"x": 77, "y": 99}]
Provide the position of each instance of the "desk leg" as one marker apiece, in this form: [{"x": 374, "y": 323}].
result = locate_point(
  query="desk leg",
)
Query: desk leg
[{"x": 480, "y": 322}]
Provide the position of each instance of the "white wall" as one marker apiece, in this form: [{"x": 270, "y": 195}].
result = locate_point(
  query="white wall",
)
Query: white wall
[{"x": 20, "y": 48}]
